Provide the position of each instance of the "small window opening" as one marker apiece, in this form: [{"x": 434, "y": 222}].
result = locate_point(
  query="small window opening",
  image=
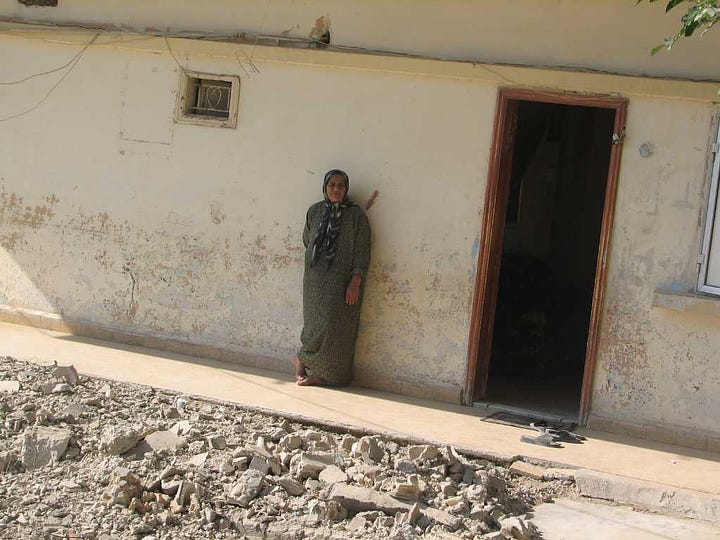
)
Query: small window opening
[{"x": 208, "y": 99}]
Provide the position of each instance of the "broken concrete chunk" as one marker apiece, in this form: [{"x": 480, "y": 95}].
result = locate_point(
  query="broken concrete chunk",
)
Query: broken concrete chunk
[
  {"x": 527, "y": 469},
  {"x": 518, "y": 529},
  {"x": 405, "y": 466},
  {"x": 68, "y": 374},
  {"x": 62, "y": 388},
  {"x": 369, "y": 446},
  {"x": 291, "y": 442},
  {"x": 358, "y": 499},
  {"x": 181, "y": 428},
  {"x": 9, "y": 387},
  {"x": 43, "y": 445},
  {"x": 198, "y": 460},
  {"x": 332, "y": 475},
  {"x": 292, "y": 486},
  {"x": 356, "y": 524},
  {"x": 260, "y": 464},
  {"x": 451, "y": 522},
  {"x": 247, "y": 488},
  {"x": 423, "y": 452},
  {"x": 310, "y": 465},
  {"x": 407, "y": 491},
  {"x": 117, "y": 440},
  {"x": 217, "y": 442},
  {"x": 124, "y": 486},
  {"x": 162, "y": 440},
  {"x": 185, "y": 490}
]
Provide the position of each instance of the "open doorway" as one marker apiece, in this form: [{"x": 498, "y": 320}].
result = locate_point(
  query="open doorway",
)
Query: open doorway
[{"x": 541, "y": 274}]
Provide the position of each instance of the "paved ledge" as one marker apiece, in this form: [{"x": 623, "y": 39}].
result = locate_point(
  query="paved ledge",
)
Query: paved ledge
[
  {"x": 680, "y": 472},
  {"x": 692, "y": 303},
  {"x": 649, "y": 495}
]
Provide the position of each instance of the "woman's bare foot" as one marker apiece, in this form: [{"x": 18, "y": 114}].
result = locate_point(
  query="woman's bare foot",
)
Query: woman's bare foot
[
  {"x": 312, "y": 380},
  {"x": 299, "y": 369}
]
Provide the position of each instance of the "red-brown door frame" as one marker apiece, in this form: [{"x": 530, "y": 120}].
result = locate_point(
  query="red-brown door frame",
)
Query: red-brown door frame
[{"x": 496, "y": 195}]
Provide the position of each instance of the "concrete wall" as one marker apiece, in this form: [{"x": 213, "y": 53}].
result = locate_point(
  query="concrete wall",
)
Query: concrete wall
[
  {"x": 608, "y": 35},
  {"x": 111, "y": 213},
  {"x": 657, "y": 365}
]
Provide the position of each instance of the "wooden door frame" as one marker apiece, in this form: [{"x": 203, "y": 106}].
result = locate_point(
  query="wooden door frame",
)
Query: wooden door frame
[{"x": 493, "y": 228}]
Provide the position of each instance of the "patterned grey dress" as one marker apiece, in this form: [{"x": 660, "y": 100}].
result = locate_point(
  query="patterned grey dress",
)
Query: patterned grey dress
[{"x": 330, "y": 326}]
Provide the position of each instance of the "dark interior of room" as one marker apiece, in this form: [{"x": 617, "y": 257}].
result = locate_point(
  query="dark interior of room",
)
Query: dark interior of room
[{"x": 552, "y": 230}]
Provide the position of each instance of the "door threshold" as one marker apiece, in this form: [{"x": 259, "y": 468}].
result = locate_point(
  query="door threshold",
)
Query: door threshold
[{"x": 540, "y": 415}]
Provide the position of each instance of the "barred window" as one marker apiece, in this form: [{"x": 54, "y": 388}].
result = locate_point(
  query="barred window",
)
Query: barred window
[{"x": 208, "y": 99}]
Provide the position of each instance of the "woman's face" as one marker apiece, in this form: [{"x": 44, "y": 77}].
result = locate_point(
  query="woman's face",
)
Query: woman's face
[{"x": 336, "y": 188}]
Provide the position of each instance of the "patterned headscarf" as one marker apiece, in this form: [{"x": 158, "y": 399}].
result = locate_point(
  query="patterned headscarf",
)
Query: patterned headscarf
[{"x": 324, "y": 242}]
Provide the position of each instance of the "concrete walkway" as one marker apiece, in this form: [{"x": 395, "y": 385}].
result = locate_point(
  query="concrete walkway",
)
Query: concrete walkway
[{"x": 383, "y": 412}]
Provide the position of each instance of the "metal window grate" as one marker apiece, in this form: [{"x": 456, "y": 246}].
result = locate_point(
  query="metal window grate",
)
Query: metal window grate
[{"x": 210, "y": 97}]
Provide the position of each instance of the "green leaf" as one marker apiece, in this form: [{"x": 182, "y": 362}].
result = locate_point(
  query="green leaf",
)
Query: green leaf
[{"x": 672, "y": 3}]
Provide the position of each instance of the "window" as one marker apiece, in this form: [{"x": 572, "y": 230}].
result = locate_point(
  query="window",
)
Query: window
[
  {"x": 709, "y": 259},
  {"x": 209, "y": 100}
]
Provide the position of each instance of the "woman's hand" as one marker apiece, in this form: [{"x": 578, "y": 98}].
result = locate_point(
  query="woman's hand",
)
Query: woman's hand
[{"x": 352, "y": 293}]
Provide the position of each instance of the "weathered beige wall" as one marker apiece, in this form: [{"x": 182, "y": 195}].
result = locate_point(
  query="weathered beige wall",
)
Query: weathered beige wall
[
  {"x": 610, "y": 35},
  {"x": 113, "y": 214},
  {"x": 658, "y": 365},
  {"x": 197, "y": 234}
]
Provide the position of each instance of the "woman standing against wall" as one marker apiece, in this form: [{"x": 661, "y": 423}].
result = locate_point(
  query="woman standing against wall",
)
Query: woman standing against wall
[{"x": 337, "y": 256}]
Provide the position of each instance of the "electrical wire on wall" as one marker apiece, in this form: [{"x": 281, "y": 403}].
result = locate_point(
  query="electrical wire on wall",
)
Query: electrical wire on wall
[{"x": 70, "y": 66}]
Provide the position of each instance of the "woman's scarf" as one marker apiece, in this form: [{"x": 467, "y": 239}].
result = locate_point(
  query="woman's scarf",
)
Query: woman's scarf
[{"x": 324, "y": 242}]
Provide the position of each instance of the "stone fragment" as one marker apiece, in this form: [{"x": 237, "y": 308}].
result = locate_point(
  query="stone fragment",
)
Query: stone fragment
[
  {"x": 423, "y": 452},
  {"x": 405, "y": 466},
  {"x": 408, "y": 518},
  {"x": 291, "y": 442},
  {"x": 277, "y": 434},
  {"x": 527, "y": 469},
  {"x": 72, "y": 412},
  {"x": 477, "y": 493},
  {"x": 332, "y": 474},
  {"x": 170, "y": 487},
  {"x": 291, "y": 486},
  {"x": 310, "y": 465},
  {"x": 217, "y": 442},
  {"x": 347, "y": 443},
  {"x": 447, "y": 489},
  {"x": 198, "y": 460},
  {"x": 493, "y": 536},
  {"x": 124, "y": 486},
  {"x": 358, "y": 499},
  {"x": 369, "y": 446},
  {"x": 407, "y": 491},
  {"x": 8, "y": 459},
  {"x": 43, "y": 445},
  {"x": 67, "y": 373},
  {"x": 259, "y": 464},
  {"x": 451, "y": 522},
  {"x": 62, "y": 388},
  {"x": 247, "y": 488},
  {"x": 478, "y": 512},
  {"x": 162, "y": 440},
  {"x": 185, "y": 490},
  {"x": 181, "y": 428},
  {"x": 518, "y": 529},
  {"x": 9, "y": 387},
  {"x": 357, "y": 523},
  {"x": 117, "y": 440},
  {"x": 171, "y": 413}
]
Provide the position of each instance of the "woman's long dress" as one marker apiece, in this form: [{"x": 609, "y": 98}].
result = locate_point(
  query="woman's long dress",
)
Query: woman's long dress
[{"x": 330, "y": 326}]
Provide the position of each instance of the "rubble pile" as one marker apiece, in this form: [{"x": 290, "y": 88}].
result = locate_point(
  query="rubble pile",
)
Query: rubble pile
[{"x": 85, "y": 458}]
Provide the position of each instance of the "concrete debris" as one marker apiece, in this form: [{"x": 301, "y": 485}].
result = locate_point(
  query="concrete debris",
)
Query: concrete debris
[
  {"x": 9, "y": 387},
  {"x": 247, "y": 488},
  {"x": 68, "y": 374},
  {"x": 117, "y": 440},
  {"x": 113, "y": 460},
  {"x": 43, "y": 446},
  {"x": 528, "y": 469},
  {"x": 332, "y": 475}
]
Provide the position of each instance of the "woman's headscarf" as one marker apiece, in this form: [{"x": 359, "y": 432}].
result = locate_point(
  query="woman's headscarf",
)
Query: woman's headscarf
[{"x": 324, "y": 243}]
